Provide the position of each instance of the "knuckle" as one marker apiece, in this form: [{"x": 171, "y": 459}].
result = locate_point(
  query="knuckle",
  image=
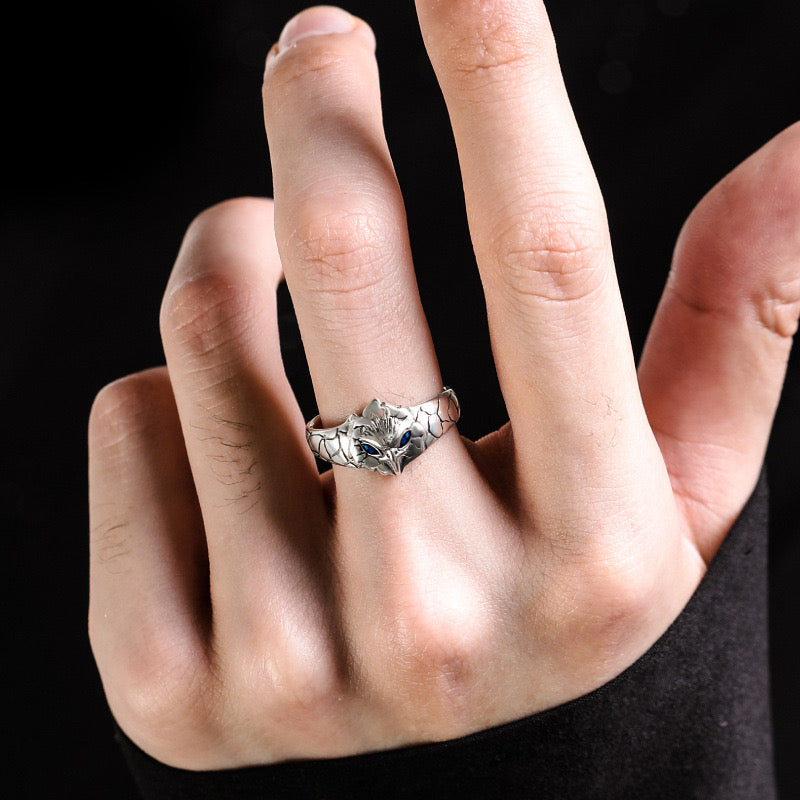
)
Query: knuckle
[
  {"x": 217, "y": 292},
  {"x": 206, "y": 313},
  {"x": 485, "y": 39},
  {"x": 449, "y": 661},
  {"x": 777, "y": 299},
  {"x": 159, "y": 684},
  {"x": 746, "y": 229},
  {"x": 439, "y": 649},
  {"x": 625, "y": 595},
  {"x": 308, "y": 690},
  {"x": 288, "y": 685},
  {"x": 343, "y": 251},
  {"x": 779, "y": 315},
  {"x": 605, "y": 601},
  {"x": 126, "y": 410},
  {"x": 550, "y": 256},
  {"x": 486, "y": 57}
]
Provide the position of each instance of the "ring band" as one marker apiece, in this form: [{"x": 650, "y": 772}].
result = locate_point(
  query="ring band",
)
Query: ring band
[{"x": 385, "y": 438}]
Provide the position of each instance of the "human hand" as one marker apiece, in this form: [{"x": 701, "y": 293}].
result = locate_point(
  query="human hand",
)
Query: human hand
[{"x": 246, "y": 610}]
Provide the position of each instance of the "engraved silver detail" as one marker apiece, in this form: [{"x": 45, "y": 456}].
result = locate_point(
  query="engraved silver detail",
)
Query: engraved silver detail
[{"x": 376, "y": 439}]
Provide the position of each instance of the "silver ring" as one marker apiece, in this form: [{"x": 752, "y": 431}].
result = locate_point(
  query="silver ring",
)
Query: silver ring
[{"x": 385, "y": 438}]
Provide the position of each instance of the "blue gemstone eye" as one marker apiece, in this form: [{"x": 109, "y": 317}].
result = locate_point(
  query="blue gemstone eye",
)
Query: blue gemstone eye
[
  {"x": 406, "y": 438},
  {"x": 369, "y": 449}
]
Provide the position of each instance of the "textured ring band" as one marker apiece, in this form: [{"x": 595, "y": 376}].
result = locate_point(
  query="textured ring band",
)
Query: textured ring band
[{"x": 385, "y": 438}]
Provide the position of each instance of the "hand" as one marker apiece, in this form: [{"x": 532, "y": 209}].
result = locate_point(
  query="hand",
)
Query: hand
[{"x": 244, "y": 609}]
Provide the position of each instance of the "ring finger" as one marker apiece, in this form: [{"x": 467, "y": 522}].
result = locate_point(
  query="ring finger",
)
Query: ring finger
[{"x": 240, "y": 420}]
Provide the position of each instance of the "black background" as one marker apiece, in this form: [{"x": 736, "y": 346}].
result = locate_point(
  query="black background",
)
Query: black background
[{"x": 122, "y": 122}]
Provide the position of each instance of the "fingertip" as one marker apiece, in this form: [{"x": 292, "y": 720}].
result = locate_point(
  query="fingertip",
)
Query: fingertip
[
  {"x": 315, "y": 21},
  {"x": 320, "y": 21}
]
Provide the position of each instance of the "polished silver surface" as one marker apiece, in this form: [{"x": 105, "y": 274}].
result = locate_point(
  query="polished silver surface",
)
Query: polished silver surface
[{"x": 385, "y": 438}]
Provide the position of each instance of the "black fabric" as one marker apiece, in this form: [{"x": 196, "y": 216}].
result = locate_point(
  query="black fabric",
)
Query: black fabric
[{"x": 690, "y": 719}]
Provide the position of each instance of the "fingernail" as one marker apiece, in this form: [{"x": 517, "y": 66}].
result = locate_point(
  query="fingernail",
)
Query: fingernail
[{"x": 316, "y": 21}]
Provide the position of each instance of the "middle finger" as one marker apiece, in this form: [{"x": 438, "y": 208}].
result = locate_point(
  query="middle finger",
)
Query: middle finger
[{"x": 340, "y": 220}]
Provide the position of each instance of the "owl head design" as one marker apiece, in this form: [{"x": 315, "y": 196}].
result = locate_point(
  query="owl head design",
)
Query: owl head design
[{"x": 386, "y": 438}]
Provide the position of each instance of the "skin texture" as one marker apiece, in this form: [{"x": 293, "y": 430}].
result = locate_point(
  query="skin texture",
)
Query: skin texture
[{"x": 245, "y": 610}]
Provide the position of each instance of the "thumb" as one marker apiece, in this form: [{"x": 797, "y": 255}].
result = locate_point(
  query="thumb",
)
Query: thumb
[{"x": 714, "y": 363}]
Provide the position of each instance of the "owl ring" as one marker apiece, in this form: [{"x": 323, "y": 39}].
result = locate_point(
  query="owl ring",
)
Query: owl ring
[{"x": 385, "y": 438}]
